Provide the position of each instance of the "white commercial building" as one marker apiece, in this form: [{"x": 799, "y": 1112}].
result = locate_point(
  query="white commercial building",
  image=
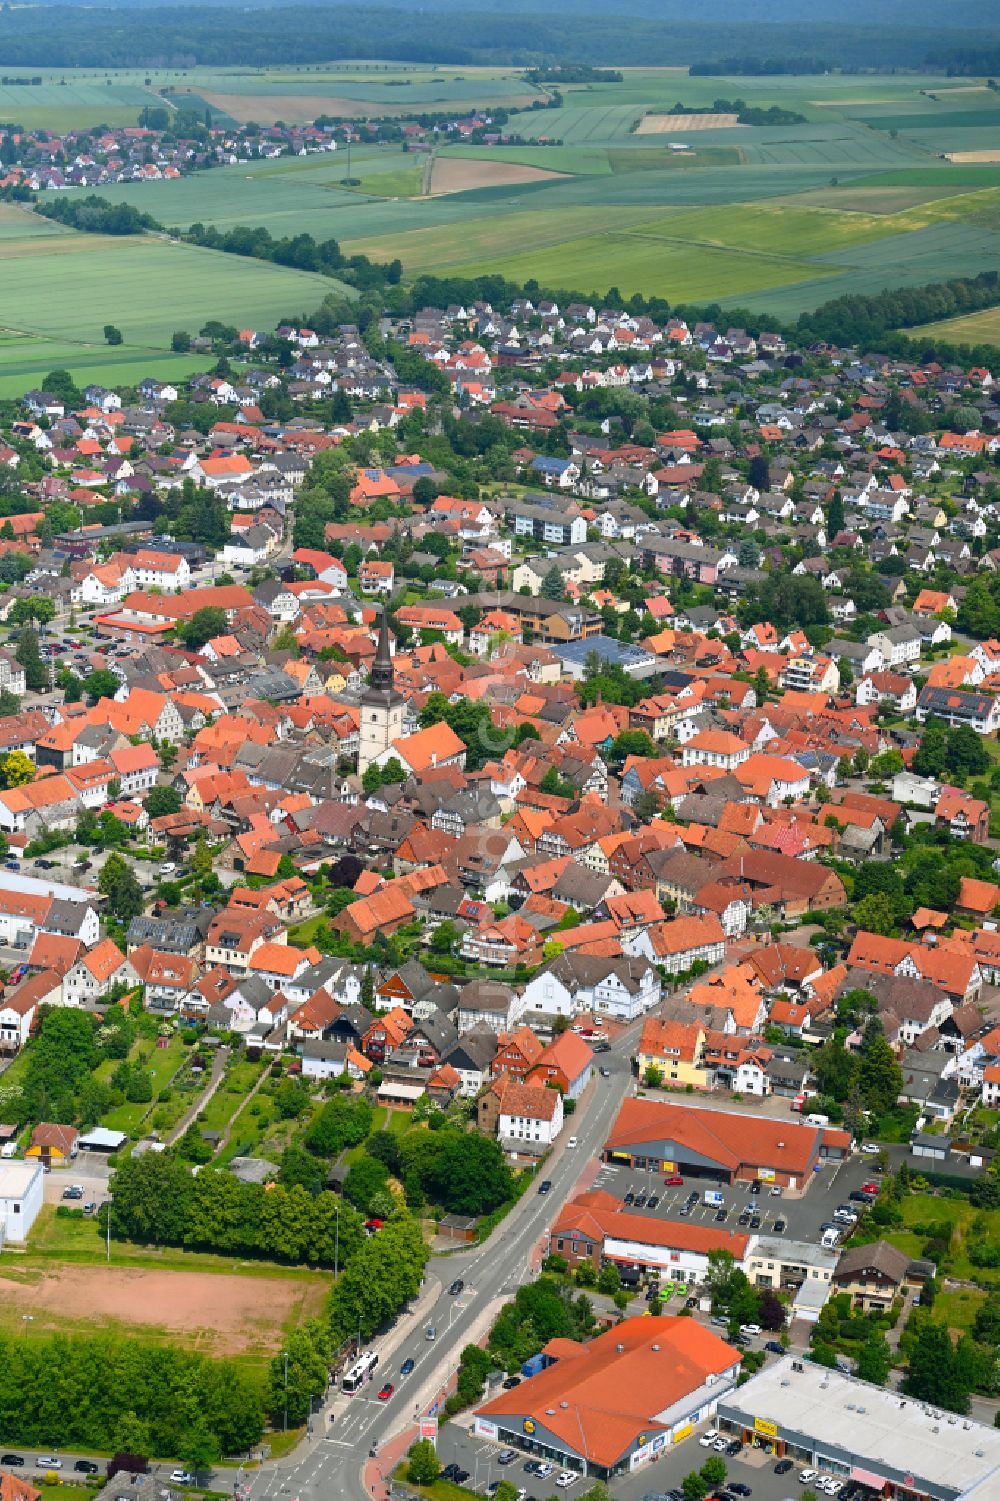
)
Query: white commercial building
[{"x": 20, "y": 1197}]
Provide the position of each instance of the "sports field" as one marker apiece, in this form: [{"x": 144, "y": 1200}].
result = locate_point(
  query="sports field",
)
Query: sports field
[{"x": 217, "y": 1314}]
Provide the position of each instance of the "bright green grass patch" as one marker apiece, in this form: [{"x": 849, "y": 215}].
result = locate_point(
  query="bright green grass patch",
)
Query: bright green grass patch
[
  {"x": 775, "y": 229},
  {"x": 51, "y": 106},
  {"x": 967, "y": 174},
  {"x": 644, "y": 263},
  {"x": 661, "y": 159},
  {"x": 404, "y": 182},
  {"x": 236, "y": 1085},
  {"x": 584, "y": 161},
  {"x": 70, "y": 287},
  {"x": 303, "y": 933},
  {"x": 958, "y": 119},
  {"x": 161, "y": 1064},
  {"x": 60, "y": 1238},
  {"x": 859, "y": 197},
  {"x": 957, "y": 1310}
]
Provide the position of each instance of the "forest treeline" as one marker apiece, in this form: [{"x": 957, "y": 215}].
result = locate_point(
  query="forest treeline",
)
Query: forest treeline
[{"x": 173, "y": 36}]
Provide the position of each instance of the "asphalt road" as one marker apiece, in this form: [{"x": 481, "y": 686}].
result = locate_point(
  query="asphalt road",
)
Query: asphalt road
[{"x": 490, "y": 1272}]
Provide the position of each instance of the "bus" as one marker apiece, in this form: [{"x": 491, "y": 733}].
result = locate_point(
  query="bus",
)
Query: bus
[{"x": 360, "y": 1373}]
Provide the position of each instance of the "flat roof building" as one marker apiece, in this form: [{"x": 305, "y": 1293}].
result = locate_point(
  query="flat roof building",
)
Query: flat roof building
[
  {"x": 21, "y": 1185},
  {"x": 844, "y": 1427},
  {"x": 616, "y": 1403}
]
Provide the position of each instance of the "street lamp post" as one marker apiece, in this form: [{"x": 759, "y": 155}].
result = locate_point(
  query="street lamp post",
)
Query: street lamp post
[
  {"x": 285, "y": 1426},
  {"x": 110, "y": 1201}
]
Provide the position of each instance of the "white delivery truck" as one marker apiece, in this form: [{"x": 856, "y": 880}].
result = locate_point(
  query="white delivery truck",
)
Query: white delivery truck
[{"x": 713, "y": 1197}]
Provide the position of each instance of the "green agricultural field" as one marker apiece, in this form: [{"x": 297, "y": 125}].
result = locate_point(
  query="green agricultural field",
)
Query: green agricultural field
[
  {"x": 972, "y": 328},
  {"x": 641, "y": 262},
  {"x": 775, "y": 229},
  {"x": 60, "y": 289},
  {"x": 858, "y": 196},
  {"x": 583, "y": 161},
  {"x": 57, "y": 106}
]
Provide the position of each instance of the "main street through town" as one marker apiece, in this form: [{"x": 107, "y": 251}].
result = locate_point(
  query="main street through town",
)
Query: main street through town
[{"x": 330, "y": 1464}]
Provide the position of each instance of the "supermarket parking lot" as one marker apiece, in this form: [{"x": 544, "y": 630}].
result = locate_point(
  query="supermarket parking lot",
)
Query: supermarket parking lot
[
  {"x": 802, "y": 1215},
  {"x": 751, "y": 1467}
]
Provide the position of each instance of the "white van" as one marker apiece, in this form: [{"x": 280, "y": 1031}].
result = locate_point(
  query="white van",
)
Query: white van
[
  {"x": 818, "y": 1120},
  {"x": 571, "y": 1142}
]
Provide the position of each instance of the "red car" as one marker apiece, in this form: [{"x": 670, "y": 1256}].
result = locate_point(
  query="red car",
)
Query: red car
[
  {"x": 386, "y": 1392},
  {"x": 869, "y": 1188},
  {"x": 675, "y": 1181}
]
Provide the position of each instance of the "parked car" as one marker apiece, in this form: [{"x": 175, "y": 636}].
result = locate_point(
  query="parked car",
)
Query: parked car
[
  {"x": 774, "y": 1347},
  {"x": 755, "y": 1186},
  {"x": 629, "y": 1198},
  {"x": 674, "y": 1181},
  {"x": 779, "y": 1227},
  {"x": 806, "y": 1477},
  {"x": 73, "y": 1192},
  {"x": 506, "y": 1456},
  {"x": 90, "y": 1208},
  {"x": 871, "y": 1149},
  {"x": 640, "y": 1199},
  {"x": 707, "y": 1439},
  {"x": 605, "y": 1073},
  {"x": 449, "y": 1472},
  {"x": 178, "y": 1477},
  {"x": 545, "y": 1470},
  {"x": 775, "y": 1190},
  {"x": 460, "y": 1476},
  {"x": 511, "y": 1382},
  {"x": 566, "y": 1479},
  {"x": 720, "y": 1215},
  {"x": 734, "y": 1446},
  {"x": 738, "y": 1488},
  {"x": 783, "y": 1466},
  {"x": 870, "y": 1188},
  {"x": 652, "y": 1201}
]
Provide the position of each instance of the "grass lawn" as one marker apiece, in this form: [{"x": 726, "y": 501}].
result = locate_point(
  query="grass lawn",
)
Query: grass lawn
[
  {"x": 957, "y": 1310},
  {"x": 61, "y": 1239},
  {"x": 441, "y": 1490},
  {"x": 61, "y": 289},
  {"x": 161, "y": 1064},
  {"x": 304, "y": 933},
  {"x": 236, "y": 1084}
]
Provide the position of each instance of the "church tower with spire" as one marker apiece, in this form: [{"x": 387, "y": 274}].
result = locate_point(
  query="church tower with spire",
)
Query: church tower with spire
[{"x": 381, "y": 706}]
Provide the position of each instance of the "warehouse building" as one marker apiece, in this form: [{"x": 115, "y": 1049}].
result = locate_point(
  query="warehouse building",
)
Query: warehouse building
[
  {"x": 901, "y": 1448},
  {"x": 618, "y": 1402},
  {"x": 721, "y": 1146}
]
